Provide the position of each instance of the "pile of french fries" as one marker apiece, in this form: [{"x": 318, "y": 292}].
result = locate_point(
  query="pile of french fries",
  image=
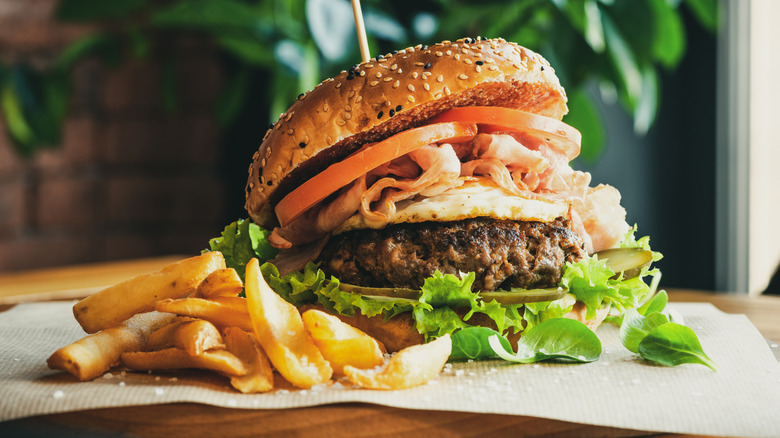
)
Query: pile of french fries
[{"x": 190, "y": 315}]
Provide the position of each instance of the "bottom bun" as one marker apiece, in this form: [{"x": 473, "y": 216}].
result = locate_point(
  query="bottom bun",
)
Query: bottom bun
[{"x": 400, "y": 332}]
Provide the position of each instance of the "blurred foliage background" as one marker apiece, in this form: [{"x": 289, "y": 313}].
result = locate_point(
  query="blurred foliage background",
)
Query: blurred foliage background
[{"x": 273, "y": 50}]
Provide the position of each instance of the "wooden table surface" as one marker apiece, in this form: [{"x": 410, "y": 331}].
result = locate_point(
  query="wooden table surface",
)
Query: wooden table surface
[{"x": 352, "y": 419}]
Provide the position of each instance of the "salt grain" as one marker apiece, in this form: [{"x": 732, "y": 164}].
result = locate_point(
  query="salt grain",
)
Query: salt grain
[
  {"x": 121, "y": 384},
  {"x": 636, "y": 381},
  {"x": 58, "y": 394},
  {"x": 232, "y": 403},
  {"x": 159, "y": 391}
]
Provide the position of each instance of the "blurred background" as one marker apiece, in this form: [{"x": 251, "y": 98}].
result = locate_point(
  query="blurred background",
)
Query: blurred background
[{"x": 127, "y": 126}]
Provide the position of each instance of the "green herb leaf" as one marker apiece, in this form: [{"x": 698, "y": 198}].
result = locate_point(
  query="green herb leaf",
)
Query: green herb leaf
[
  {"x": 656, "y": 304},
  {"x": 558, "y": 338},
  {"x": 674, "y": 344},
  {"x": 473, "y": 343},
  {"x": 635, "y": 327}
]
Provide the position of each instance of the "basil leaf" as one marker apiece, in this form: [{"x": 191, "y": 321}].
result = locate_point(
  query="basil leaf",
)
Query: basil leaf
[
  {"x": 557, "y": 338},
  {"x": 472, "y": 343},
  {"x": 635, "y": 327},
  {"x": 674, "y": 344}
]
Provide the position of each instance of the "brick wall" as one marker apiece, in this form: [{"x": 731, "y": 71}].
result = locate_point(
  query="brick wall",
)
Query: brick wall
[{"x": 129, "y": 179}]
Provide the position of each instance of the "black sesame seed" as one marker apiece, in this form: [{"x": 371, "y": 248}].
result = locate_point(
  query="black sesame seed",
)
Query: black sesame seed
[
  {"x": 392, "y": 113},
  {"x": 353, "y": 68},
  {"x": 300, "y": 96},
  {"x": 269, "y": 183},
  {"x": 542, "y": 68},
  {"x": 394, "y": 52},
  {"x": 350, "y": 77},
  {"x": 479, "y": 62},
  {"x": 425, "y": 47},
  {"x": 399, "y": 108},
  {"x": 427, "y": 66},
  {"x": 302, "y": 144},
  {"x": 378, "y": 57},
  {"x": 381, "y": 113}
]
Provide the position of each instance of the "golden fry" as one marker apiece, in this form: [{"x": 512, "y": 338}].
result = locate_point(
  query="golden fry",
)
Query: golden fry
[
  {"x": 260, "y": 375},
  {"x": 340, "y": 343},
  {"x": 279, "y": 328},
  {"x": 95, "y": 354},
  {"x": 117, "y": 303},
  {"x": 194, "y": 337},
  {"x": 223, "y": 311},
  {"x": 409, "y": 367},
  {"x": 221, "y": 283},
  {"x": 176, "y": 358}
]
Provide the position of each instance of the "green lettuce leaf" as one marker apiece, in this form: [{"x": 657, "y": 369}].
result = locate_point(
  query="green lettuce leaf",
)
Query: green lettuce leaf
[{"x": 240, "y": 242}]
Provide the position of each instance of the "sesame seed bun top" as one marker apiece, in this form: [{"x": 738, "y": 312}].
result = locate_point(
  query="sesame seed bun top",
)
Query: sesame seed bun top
[{"x": 388, "y": 94}]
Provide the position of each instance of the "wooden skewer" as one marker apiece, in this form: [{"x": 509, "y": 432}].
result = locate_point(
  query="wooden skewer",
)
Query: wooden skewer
[{"x": 361, "y": 30}]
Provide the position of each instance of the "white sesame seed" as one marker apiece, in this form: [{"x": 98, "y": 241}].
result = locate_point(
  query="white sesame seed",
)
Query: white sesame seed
[
  {"x": 290, "y": 131},
  {"x": 439, "y": 54},
  {"x": 410, "y": 87},
  {"x": 325, "y": 107},
  {"x": 478, "y": 69},
  {"x": 374, "y": 83},
  {"x": 419, "y": 64},
  {"x": 379, "y": 74},
  {"x": 426, "y": 74},
  {"x": 410, "y": 98},
  {"x": 394, "y": 66},
  {"x": 492, "y": 68},
  {"x": 387, "y": 79},
  {"x": 468, "y": 61},
  {"x": 347, "y": 107},
  {"x": 457, "y": 56},
  {"x": 351, "y": 94},
  {"x": 414, "y": 75},
  {"x": 440, "y": 78},
  {"x": 447, "y": 91},
  {"x": 462, "y": 76},
  {"x": 347, "y": 116},
  {"x": 427, "y": 87},
  {"x": 449, "y": 52},
  {"x": 400, "y": 71},
  {"x": 358, "y": 99},
  {"x": 362, "y": 73}
]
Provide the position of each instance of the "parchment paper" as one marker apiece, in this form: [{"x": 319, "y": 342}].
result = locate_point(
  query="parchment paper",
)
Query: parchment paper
[{"x": 620, "y": 390}]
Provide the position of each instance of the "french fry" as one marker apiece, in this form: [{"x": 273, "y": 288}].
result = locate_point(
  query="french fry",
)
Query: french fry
[
  {"x": 223, "y": 311},
  {"x": 194, "y": 337},
  {"x": 95, "y": 354},
  {"x": 409, "y": 367},
  {"x": 117, "y": 303},
  {"x": 279, "y": 328},
  {"x": 340, "y": 343},
  {"x": 174, "y": 358},
  {"x": 260, "y": 375},
  {"x": 221, "y": 283}
]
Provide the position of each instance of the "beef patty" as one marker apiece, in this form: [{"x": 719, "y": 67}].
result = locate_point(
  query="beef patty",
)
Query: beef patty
[{"x": 502, "y": 253}]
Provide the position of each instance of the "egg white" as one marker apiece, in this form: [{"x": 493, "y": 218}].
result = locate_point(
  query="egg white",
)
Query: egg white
[{"x": 478, "y": 198}]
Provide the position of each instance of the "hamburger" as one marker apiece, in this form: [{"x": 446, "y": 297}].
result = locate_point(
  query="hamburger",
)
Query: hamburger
[{"x": 429, "y": 189}]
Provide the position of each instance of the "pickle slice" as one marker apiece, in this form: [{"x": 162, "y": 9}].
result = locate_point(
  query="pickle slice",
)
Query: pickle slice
[
  {"x": 520, "y": 296},
  {"x": 629, "y": 261},
  {"x": 390, "y": 292}
]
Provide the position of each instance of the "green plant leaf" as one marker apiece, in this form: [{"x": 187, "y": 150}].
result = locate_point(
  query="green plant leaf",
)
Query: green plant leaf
[
  {"x": 707, "y": 12},
  {"x": 655, "y": 304},
  {"x": 624, "y": 62},
  {"x": 232, "y": 97},
  {"x": 94, "y": 10},
  {"x": 646, "y": 107},
  {"x": 18, "y": 126},
  {"x": 206, "y": 15},
  {"x": 557, "y": 338},
  {"x": 87, "y": 45},
  {"x": 473, "y": 343},
  {"x": 635, "y": 327},
  {"x": 668, "y": 33},
  {"x": 248, "y": 49},
  {"x": 673, "y": 344},
  {"x": 584, "y": 116}
]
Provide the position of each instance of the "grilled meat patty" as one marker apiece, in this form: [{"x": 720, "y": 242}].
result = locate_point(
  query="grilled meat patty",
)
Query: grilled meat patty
[{"x": 502, "y": 253}]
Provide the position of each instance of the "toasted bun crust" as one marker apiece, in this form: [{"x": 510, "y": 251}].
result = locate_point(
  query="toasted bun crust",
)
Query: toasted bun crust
[
  {"x": 399, "y": 332},
  {"x": 389, "y": 94}
]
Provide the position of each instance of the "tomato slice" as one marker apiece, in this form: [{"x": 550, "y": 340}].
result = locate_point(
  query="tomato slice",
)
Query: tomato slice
[
  {"x": 561, "y": 136},
  {"x": 340, "y": 174}
]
